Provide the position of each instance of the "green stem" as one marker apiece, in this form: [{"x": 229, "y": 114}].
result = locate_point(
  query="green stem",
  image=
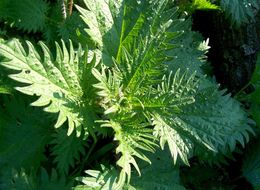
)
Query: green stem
[
  {"x": 241, "y": 90},
  {"x": 79, "y": 169}
]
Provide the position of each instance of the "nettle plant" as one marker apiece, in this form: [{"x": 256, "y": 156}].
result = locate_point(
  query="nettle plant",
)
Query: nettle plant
[{"x": 137, "y": 103}]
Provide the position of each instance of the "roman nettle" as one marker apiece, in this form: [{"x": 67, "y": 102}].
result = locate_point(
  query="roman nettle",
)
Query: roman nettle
[{"x": 133, "y": 83}]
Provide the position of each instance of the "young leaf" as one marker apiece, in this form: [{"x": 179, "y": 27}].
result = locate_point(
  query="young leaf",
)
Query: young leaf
[
  {"x": 133, "y": 138},
  {"x": 111, "y": 24},
  {"x": 204, "y": 5},
  {"x": 179, "y": 110},
  {"x": 133, "y": 37},
  {"x": 107, "y": 178}
]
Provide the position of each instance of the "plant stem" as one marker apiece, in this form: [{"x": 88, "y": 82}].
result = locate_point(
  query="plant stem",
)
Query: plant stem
[
  {"x": 70, "y": 7},
  {"x": 79, "y": 169},
  {"x": 241, "y": 90}
]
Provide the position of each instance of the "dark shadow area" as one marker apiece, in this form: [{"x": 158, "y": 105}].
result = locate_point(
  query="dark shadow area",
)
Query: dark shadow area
[{"x": 233, "y": 49}]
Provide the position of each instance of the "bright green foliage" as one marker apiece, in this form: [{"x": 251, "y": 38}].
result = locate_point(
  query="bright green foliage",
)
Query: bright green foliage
[
  {"x": 204, "y": 5},
  {"x": 196, "y": 5},
  {"x": 140, "y": 86},
  {"x": 161, "y": 174},
  {"x": 5, "y": 86},
  {"x": 132, "y": 88},
  {"x": 179, "y": 91},
  {"x": 57, "y": 81},
  {"x": 131, "y": 146},
  {"x": 4, "y": 89},
  {"x": 240, "y": 11},
  {"x": 107, "y": 178}
]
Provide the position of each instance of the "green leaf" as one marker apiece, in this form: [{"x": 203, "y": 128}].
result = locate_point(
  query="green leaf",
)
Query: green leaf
[
  {"x": 161, "y": 174},
  {"x": 106, "y": 178},
  {"x": 176, "y": 91},
  {"x": 17, "y": 180},
  {"x": 204, "y": 5},
  {"x": 22, "y": 180},
  {"x": 23, "y": 135},
  {"x": 5, "y": 89},
  {"x": 134, "y": 95},
  {"x": 135, "y": 37},
  {"x": 255, "y": 111},
  {"x": 240, "y": 11},
  {"x": 5, "y": 86},
  {"x": 251, "y": 164},
  {"x": 67, "y": 29},
  {"x": 111, "y": 24},
  {"x": 59, "y": 82},
  {"x": 202, "y": 120},
  {"x": 190, "y": 50},
  {"x": 255, "y": 79},
  {"x": 255, "y": 96},
  {"x": 199, "y": 125},
  {"x": 132, "y": 34},
  {"x": 67, "y": 150},
  {"x": 28, "y": 15},
  {"x": 133, "y": 138},
  {"x": 52, "y": 181}
]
